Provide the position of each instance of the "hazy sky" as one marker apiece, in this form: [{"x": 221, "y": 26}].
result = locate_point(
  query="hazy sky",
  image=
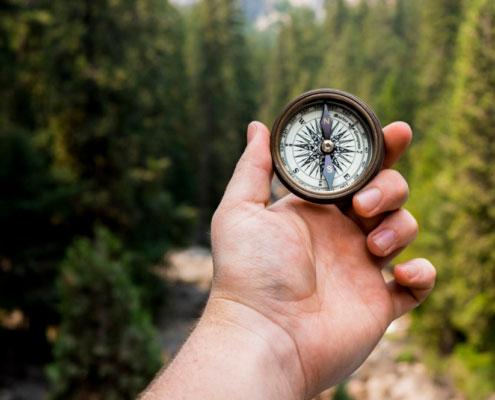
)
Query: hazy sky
[
  {"x": 310, "y": 3},
  {"x": 261, "y": 11}
]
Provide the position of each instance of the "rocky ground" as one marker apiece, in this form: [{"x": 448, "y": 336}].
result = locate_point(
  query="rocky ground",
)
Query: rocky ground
[{"x": 391, "y": 372}]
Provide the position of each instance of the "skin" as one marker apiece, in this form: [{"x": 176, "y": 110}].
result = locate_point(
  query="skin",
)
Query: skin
[{"x": 298, "y": 299}]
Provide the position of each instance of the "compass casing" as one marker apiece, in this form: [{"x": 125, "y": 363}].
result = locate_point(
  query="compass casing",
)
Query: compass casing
[{"x": 332, "y": 96}]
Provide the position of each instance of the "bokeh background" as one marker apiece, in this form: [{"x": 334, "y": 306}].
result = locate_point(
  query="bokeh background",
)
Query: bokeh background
[{"x": 120, "y": 124}]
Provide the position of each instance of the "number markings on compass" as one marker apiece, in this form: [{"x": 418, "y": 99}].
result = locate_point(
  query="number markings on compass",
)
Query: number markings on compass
[{"x": 300, "y": 147}]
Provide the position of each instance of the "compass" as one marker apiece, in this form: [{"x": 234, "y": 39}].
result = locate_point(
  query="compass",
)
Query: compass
[{"x": 326, "y": 145}]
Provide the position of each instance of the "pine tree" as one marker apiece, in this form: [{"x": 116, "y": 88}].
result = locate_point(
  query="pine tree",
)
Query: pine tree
[
  {"x": 91, "y": 120},
  {"x": 221, "y": 101},
  {"x": 396, "y": 93},
  {"x": 295, "y": 62},
  {"x": 32, "y": 204},
  {"x": 438, "y": 33},
  {"x": 336, "y": 16},
  {"x": 277, "y": 90},
  {"x": 471, "y": 168},
  {"x": 106, "y": 347},
  {"x": 455, "y": 197},
  {"x": 115, "y": 117}
]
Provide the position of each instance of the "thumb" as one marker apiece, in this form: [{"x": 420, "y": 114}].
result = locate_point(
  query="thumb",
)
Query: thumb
[{"x": 252, "y": 177}]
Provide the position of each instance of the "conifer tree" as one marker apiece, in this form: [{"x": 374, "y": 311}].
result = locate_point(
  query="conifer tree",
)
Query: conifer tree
[
  {"x": 397, "y": 92},
  {"x": 106, "y": 347},
  {"x": 440, "y": 21},
  {"x": 32, "y": 204},
  {"x": 454, "y": 199},
  {"x": 115, "y": 75},
  {"x": 221, "y": 101},
  {"x": 471, "y": 167},
  {"x": 296, "y": 59}
]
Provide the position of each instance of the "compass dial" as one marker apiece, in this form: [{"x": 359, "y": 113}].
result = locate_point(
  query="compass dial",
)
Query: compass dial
[
  {"x": 326, "y": 144},
  {"x": 303, "y": 156}
]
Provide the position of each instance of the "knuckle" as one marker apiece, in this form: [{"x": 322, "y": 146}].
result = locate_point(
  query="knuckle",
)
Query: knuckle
[
  {"x": 403, "y": 187},
  {"x": 406, "y": 224},
  {"x": 399, "y": 183},
  {"x": 390, "y": 175},
  {"x": 395, "y": 185},
  {"x": 428, "y": 265},
  {"x": 429, "y": 272},
  {"x": 411, "y": 222},
  {"x": 242, "y": 164}
]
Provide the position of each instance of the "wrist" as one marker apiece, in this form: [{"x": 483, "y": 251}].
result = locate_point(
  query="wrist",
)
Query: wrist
[
  {"x": 234, "y": 352},
  {"x": 257, "y": 346}
]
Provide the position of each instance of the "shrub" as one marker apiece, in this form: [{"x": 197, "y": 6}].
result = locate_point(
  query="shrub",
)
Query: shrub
[{"x": 106, "y": 347}]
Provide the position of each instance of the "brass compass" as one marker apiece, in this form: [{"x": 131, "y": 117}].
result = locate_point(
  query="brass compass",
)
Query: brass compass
[{"x": 326, "y": 144}]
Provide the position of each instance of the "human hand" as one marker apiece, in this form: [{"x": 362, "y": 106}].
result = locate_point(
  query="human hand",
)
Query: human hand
[
  {"x": 298, "y": 300},
  {"x": 307, "y": 278}
]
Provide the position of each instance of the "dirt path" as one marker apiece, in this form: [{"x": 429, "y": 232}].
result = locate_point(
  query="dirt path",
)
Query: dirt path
[{"x": 391, "y": 372}]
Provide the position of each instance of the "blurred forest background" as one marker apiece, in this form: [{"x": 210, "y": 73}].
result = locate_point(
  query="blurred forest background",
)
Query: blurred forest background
[{"x": 121, "y": 122}]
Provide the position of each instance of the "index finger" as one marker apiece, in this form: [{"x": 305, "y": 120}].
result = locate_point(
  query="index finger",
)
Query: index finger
[{"x": 397, "y": 137}]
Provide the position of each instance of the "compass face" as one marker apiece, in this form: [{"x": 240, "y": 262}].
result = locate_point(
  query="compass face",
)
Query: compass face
[
  {"x": 303, "y": 156},
  {"x": 326, "y": 144}
]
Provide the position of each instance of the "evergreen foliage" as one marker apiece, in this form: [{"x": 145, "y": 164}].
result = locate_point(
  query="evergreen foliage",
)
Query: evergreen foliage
[
  {"x": 89, "y": 115},
  {"x": 106, "y": 346},
  {"x": 222, "y": 101},
  {"x": 115, "y": 71},
  {"x": 295, "y": 62},
  {"x": 460, "y": 218},
  {"x": 31, "y": 206},
  {"x": 132, "y": 115}
]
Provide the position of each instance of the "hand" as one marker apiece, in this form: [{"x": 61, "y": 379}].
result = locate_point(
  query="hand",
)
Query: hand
[
  {"x": 298, "y": 300},
  {"x": 314, "y": 271}
]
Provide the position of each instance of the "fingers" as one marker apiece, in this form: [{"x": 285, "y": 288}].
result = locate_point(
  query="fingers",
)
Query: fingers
[
  {"x": 396, "y": 231},
  {"x": 367, "y": 208},
  {"x": 413, "y": 282},
  {"x": 252, "y": 176},
  {"x": 397, "y": 136},
  {"x": 387, "y": 191}
]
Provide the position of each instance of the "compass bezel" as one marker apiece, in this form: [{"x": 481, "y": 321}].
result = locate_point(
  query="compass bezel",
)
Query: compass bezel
[{"x": 364, "y": 112}]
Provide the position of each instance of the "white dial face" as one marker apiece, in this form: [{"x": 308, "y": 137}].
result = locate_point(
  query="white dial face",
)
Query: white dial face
[{"x": 301, "y": 148}]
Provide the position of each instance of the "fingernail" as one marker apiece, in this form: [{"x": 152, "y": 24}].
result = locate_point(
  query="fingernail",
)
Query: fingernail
[
  {"x": 410, "y": 269},
  {"x": 369, "y": 199},
  {"x": 251, "y": 131},
  {"x": 384, "y": 239}
]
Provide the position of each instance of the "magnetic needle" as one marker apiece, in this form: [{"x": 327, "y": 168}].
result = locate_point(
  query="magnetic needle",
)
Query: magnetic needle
[{"x": 326, "y": 144}]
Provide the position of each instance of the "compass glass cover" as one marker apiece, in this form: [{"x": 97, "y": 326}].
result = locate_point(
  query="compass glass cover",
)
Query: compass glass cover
[{"x": 301, "y": 147}]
